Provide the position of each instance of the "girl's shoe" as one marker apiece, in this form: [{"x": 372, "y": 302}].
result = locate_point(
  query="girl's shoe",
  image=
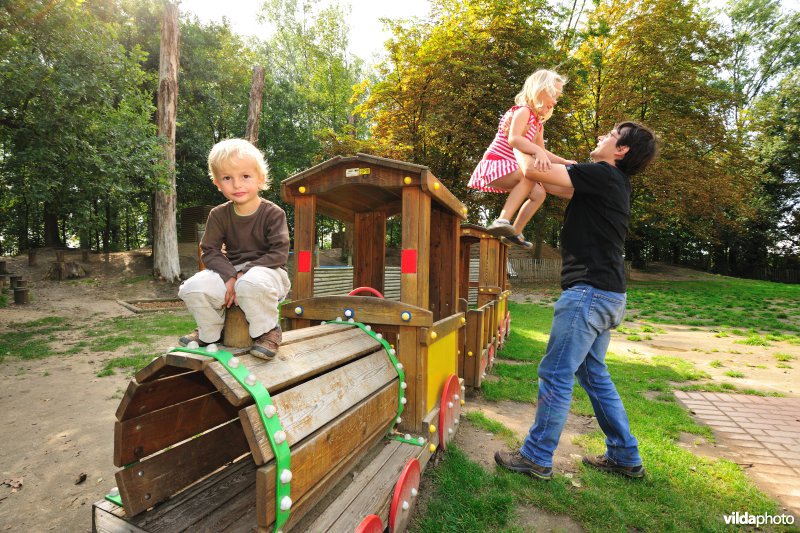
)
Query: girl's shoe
[
  {"x": 500, "y": 228},
  {"x": 517, "y": 240}
]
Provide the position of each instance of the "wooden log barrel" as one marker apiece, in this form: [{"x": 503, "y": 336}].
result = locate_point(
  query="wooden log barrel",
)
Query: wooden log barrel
[
  {"x": 236, "y": 331},
  {"x": 184, "y": 416},
  {"x": 22, "y": 296},
  {"x": 13, "y": 281},
  {"x": 32, "y": 257}
]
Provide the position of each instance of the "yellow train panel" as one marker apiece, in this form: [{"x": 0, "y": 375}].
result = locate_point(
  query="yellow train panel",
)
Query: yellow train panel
[{"x": 442, "y": 362}]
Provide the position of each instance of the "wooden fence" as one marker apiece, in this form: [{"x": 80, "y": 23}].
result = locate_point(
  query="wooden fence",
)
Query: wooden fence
[{"x": 542, "y": 270}]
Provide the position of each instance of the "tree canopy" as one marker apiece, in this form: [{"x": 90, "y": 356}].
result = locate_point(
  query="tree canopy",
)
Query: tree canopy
[{"x": 79, "y": 154}]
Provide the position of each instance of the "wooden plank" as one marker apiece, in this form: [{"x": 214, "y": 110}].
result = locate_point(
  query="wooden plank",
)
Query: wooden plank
[
  {"x": 304, "y": 237},
  {"x": 436, "y": 189},
  {"x": 202, "y": 501},
  {"x": 142, "y": 398},
  {"x": 408, "y": 355},
  {"x": 109, "y": 518},
  {"x": 441, "y": 328},
  {"x": 307, "y": 407},
  {"x": 157, "y": 369},
  {"x": 335, "y": 210},
  {"x": 228, "y": 504},
  {"x": 294, "y": 363},
  {"x": 369, "y": 251},
  {"x": 444, "y": 246},
  {"x": 149, "y": 482},
  {"x": 369, "y": 493},
  {"x": 320, "y": 456},
  {"x": 367, "y": 309},
  {"x": 139, "y": 437}
]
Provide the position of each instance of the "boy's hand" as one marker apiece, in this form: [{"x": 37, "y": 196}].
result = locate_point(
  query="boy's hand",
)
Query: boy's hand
[{"x": 230, "y": 293}]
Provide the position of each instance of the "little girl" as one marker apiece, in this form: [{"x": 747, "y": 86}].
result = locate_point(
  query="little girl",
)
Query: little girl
[{"x": 522, "y": 127}]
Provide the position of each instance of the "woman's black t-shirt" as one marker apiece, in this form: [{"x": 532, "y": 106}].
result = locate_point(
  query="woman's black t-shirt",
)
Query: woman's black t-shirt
[{"x": 595, "y": 227}]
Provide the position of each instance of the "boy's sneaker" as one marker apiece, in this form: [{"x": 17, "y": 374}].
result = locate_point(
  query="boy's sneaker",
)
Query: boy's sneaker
[
  {"x": 516, "y": 462},
  {"x": 501, "y": 228},
  {"x": 603, "y": 463},
  {"x": 266, "y": 345},
  {"x": 194, "y": 336},
  {"x": 517, "y": 240}
]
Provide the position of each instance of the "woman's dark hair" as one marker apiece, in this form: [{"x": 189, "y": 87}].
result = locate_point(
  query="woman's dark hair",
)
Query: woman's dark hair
[{"x": 641, "y": 143}]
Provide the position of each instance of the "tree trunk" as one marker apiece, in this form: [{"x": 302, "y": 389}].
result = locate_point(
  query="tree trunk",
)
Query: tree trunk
[
  {"x": 51, "y": 233},
  {"x": 165, "y": 231},
  {"x": 254, "y": 110}
]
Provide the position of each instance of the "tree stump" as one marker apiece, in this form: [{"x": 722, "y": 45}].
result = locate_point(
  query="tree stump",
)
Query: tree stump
[
  {"x": 61, "y": 270},
  {"x": 31, "y": 258},
  {"x": 59, "y": 256},
  {"x": 85, "y": 256},
  {"x": 3, "y": 267},
  {"x": 22, "y": 296},
  {"x": 236, "y": 332},
  {"x": 21, "y": 284},
  {"x": 14, "y": 280},
  {"x": 4, "y": 282}
]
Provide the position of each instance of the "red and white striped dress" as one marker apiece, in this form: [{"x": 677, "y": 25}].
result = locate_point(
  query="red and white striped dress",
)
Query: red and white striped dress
[{"x": 499, "y": 158}]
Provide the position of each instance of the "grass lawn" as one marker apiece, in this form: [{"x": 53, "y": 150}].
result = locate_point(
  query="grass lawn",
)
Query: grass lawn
[{"x": 681, "y": 491}]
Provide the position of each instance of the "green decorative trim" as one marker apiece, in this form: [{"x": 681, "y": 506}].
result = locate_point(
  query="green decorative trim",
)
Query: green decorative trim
[
  {"x": 114, "y": 498},
  {"x": 272, "y": 425}
]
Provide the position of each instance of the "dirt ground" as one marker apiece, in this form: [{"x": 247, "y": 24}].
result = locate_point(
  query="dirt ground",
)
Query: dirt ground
[{"x": 57, "y": 416}]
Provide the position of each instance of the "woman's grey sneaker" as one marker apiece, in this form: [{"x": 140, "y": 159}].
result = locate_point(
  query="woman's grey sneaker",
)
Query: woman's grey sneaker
[
  {"x": 266, "y": 345},
  {"x": 516, "y": 462},
  {"x": 517, "y": 240},
  {"x": 605, "y": 464},
  {"x": 194, "y": 336},
  {"x": 501, "y": 228}
]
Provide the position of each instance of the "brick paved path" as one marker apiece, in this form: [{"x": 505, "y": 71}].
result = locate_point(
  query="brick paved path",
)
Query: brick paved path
[{"x": 761, "y": 434}]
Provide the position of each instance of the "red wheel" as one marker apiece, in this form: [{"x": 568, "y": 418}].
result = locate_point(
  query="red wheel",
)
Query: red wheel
[
  {"x": 371, "y": 524},
  {"x": 365, "y": 289},
  {"x": 405, "y": 492},
  {"x": 449, "y": 410}
]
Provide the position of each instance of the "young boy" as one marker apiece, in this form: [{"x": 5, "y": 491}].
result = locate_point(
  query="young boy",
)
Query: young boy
[{"x": 252, "y": 271}]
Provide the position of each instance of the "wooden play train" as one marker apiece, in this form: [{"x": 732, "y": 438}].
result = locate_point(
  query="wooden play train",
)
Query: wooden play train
[{"x": 334, "y": 433}]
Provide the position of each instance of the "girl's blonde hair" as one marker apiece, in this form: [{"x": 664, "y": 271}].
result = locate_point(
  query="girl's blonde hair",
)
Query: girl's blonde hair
[
  {"x": 226, "y": 150},
  {"x": 541, "y": 80}
]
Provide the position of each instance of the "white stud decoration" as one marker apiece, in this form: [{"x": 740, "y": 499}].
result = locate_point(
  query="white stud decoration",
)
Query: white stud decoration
[
  {"x": 233, "y": 362},
  {"x": 463, "y": 388},
  {"x": 280, "y": 437},
  {"x": 368, "y": 328},
  {"x": 348, "y": 313},
  {"x": 405, "y": 506},
  {"x": 286, "y": 503},
  {"x": 193, "y": 345},
  {"x": 456, "y": 421},
  {"x": 456, "y": 397},
  {"x": 114, "y": 492},
  {"x": 393, "y": 351},
  {"x": 323, "y": 322},
  {"x": 269, "y": 411},
  {"x": 414, "y": 492},
  {"x": 408, "y": 436},
  {"x": 378, "y": 336},
  {"x": 399, "y": 420},
  {"x": 421, "y": 440},
  {"x": 449, "y": 405},
  {"x": 338, "y": 319},
  {"x": 403, "y": 400},
  {"x": 286, "y": 476},
  {"x": 351, "y": 320},
  {"x": 404, "y": 385},
  {"x": 399, "y": 366},
  {"x": 250, "y": 379},
  {"x": 212, "y": 348},
  {"x": 449, "y": 431},
  {"x": 298, "y": 310}
]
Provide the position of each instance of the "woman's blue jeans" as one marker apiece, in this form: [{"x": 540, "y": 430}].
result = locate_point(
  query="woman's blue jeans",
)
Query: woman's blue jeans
[{"x": 579, "y": 337}]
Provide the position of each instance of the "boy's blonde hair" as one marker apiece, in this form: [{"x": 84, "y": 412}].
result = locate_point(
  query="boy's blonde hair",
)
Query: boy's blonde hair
[
  {"x": 228, "y": 149},
  {"x": 541, "y": 80}
]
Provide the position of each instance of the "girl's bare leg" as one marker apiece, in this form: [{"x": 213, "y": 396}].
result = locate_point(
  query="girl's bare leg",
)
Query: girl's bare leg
[
  {"x": 530, "y": 207},
  {"x": 519, "y": 189}
]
